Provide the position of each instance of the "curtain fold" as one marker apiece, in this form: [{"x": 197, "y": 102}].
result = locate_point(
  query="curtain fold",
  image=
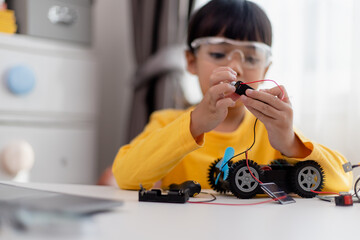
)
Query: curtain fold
[{"x": 159, "y": 31}]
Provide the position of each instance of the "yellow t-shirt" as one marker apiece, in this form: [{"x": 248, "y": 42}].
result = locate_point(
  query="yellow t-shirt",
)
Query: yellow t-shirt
[{"x": 166, "y": 151}]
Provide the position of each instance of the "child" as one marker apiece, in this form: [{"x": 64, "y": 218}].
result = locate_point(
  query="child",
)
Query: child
[{"x": 228, "y": 41}]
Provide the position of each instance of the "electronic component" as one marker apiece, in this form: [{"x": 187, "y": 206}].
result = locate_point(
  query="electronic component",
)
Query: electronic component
[
  {"x": 345, "y": 199},
  {"x": 192, "y": 187},
  {"x": 177, "y": 193},
  {"x": 241, "y": 87},
  {"x": 156, "y": 195},
  {"x": 332, "y": 199},
  {"x": 347, "y": 167},
  {"x": 275, "y": 192}
]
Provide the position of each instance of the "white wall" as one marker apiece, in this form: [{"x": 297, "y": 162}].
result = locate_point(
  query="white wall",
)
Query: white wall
[{"x": 113, "y": 45}]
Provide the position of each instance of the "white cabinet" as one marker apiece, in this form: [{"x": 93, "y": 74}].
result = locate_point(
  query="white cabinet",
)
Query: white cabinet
[{"x": 58, "y": 116}]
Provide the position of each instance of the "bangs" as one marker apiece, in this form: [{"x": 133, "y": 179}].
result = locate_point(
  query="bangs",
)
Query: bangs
[{"x": 239, "y": 20}]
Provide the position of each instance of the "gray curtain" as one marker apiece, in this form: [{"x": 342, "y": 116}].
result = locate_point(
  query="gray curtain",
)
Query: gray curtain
[{"x": 159, "y": 28}]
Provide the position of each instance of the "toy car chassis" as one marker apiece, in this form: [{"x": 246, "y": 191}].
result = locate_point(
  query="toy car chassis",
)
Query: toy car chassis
[{"x": 303, "y": 178}]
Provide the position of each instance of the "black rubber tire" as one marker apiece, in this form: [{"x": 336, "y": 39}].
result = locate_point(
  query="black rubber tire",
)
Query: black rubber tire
[
  {"x": 222, "y": 186},
  {"x": 356, "y": 187},
  {"x": 307, "y": 176},
  {"x": 242, "y": 184}
]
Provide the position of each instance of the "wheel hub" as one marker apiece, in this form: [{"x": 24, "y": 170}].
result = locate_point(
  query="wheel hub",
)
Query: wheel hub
[
  {"x": 244, "y": 181},
  {"x": 309, "y": 178}
]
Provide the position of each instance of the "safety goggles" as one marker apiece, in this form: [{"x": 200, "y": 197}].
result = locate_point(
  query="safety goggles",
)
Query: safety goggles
[{"x": 221, "y": 51}]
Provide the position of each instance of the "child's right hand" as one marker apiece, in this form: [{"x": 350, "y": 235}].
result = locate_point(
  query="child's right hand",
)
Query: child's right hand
[{"x": 213, "y": 108}]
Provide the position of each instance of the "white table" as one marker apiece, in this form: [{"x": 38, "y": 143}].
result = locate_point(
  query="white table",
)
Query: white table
[{"x": 305, "y": 219}]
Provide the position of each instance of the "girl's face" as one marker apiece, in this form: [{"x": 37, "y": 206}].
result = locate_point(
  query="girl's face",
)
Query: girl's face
[{"x": 244, "y": 60}]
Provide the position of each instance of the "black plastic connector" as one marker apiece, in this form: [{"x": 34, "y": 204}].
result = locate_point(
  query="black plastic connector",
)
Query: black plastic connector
[
  {"x": 241, "y": 88},
  {"x": 344, "y": 200},
  {"x": 193, "y": 187},
  {"x": 156, "y": 195}
]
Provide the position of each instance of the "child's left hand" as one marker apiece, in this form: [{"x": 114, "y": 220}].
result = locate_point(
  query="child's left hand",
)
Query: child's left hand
[{"x": 277, "y": 116}]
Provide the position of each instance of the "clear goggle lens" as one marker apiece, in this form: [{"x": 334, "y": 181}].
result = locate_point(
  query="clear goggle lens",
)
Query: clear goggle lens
[{"x": 221, "y": 51}]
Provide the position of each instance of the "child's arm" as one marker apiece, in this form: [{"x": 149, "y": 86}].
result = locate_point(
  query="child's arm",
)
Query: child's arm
[
  {"x": 277, "y": 116},
  {"x": 162, "y": 145},
  {"x": 213, "y": 108},
  {"x": 156, "y": 151},
  {"x": 275, "y": 111}
]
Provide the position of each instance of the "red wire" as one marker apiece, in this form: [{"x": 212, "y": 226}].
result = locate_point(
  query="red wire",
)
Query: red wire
[
  {"x": 239, "y": 204},
  {"x": 324, "y": 192},
  {"x": 282, "y": 97},
  {"x": 247, "y": 164},
  {"x": 242, "y": 204},
  {"x": 268, "y": 80}
]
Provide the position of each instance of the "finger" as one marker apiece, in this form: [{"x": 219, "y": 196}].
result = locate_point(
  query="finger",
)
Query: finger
[
  {"x": 219, "y": 69},
  {"x": 280, "y": 92},
  {"x": 225, "y": 103},
  {"x": 220, "y": 91},
  {"x": 234, "y": 96},
  {"x": 262, "y": 117},
  {"x": 222, "y": 76},
  {"x": 267, "y": 98},
  {"x": 259, "y": 106}
]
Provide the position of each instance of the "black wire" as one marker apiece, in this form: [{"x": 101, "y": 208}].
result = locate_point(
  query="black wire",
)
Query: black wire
[
  {"x": 243, "y": 151},
  {"x": 210, "y": 200},
  {"x": 326, "y": 198},
  {"x": 355, "y": 191}
]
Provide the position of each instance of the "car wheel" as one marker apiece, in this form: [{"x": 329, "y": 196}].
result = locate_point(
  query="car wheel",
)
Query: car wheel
[
  {"x": 242, "y": 183},
  {"x": 222, "y": 185},
  {"x": 308, "y": 176}
]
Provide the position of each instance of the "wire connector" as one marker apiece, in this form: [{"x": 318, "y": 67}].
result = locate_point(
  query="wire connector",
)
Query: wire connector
[
  {"x": 347, "y": 167},
  {"x": 345, "y": 199},
  {"x": 241, "y": 88}
]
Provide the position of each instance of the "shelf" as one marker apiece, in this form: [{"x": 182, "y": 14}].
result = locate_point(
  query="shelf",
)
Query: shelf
[
  {"x": 47, "y": 119},
  {"x": 24, "y": 43}
]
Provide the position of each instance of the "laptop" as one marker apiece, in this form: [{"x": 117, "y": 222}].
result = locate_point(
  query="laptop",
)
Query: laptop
[{"x": 15, "y": 198}]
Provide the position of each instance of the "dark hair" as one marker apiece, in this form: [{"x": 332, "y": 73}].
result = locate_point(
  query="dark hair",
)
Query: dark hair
[{"x": 235, "y": 19}]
